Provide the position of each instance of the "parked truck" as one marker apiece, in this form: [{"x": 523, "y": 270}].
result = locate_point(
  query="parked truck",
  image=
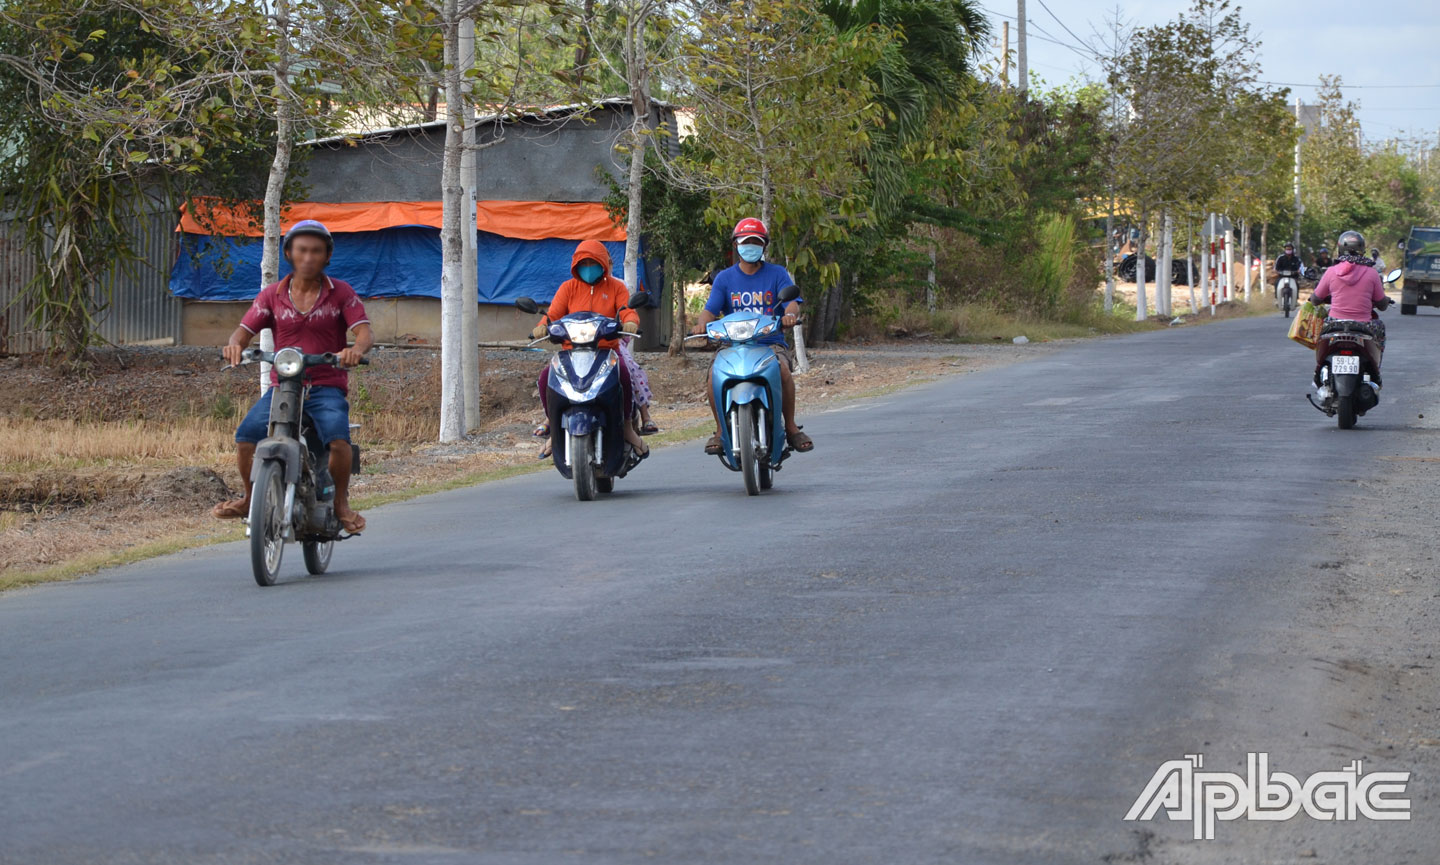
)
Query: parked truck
[{"x": 1420, "y": 259}]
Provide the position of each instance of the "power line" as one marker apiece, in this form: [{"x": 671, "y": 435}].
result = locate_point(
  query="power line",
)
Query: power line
[
  {"x": 1087, "y": 53},
  {"x": 1353, "y": 86},
  {"x": 1066, "y": 27}
]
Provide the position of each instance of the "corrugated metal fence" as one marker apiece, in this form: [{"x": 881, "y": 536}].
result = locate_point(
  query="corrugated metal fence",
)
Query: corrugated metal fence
[{"x": 135, "y": 308}]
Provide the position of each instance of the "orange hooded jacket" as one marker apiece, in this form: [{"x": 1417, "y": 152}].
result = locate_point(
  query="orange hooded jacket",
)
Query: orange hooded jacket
[{"x": 605, "y": 297}]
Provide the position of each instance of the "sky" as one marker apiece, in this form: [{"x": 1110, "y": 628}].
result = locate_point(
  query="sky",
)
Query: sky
[{"x": 1396, "y": 43}]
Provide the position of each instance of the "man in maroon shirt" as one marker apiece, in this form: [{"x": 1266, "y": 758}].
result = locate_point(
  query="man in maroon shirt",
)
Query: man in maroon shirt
[{"x": 312, "y": 312}]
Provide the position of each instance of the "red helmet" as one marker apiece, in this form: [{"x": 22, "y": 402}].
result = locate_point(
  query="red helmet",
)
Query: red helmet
[{"x": 750, "y": 227}]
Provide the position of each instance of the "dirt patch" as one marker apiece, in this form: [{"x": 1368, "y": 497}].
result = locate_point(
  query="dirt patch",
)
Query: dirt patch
[{"x": 188, "y": 486}]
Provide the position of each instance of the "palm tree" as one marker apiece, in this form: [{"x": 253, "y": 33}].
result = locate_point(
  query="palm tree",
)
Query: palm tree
[{"x": 927, "y": 67}]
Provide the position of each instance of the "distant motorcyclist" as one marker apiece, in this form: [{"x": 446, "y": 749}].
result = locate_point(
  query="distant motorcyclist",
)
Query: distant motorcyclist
[
  {"x": 1323, "y": 261},
  {"x": 1379, "y": 262},
  {"x": 1354, "y": 290},
  {"x": 1287, "y": 262}
]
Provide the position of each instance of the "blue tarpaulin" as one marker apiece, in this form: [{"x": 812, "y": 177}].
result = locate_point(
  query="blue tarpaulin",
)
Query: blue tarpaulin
[{"x": 392, "y": 262}]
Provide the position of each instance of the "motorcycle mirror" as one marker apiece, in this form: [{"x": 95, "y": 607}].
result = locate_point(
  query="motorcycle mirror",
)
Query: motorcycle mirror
[
  {"x": 640, "y": 300},
  {"x": 789, "y": 293},
  {"x": 1394, "y": 275},
  {"x": 525, "y": 304}
]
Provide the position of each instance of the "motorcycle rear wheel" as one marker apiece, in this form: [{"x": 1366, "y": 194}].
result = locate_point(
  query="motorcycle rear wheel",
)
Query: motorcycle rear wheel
[
  {"x": 317, "y": 555},
  {"x": 267, "y": 516},
  {"x": 1345, "y": 411}
]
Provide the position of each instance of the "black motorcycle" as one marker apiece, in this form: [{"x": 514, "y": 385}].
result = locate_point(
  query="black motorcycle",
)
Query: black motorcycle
[
  {"x": 586, "y": 414},
  {"x": 293, "y": 496}
]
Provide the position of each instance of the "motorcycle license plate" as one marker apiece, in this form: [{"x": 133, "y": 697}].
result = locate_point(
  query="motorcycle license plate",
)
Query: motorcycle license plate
[{"x": 1345, "y": 364}]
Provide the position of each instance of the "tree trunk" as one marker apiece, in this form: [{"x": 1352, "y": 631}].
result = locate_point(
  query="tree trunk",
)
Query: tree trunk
[
  {"x": 1245, "y": 245},
  {"x": 284, "y": 136},
  {"x": 1141, "y": 312},
  {"x": 582, "y": 47},
  {"x": 470, "y": 309},
  {"x": 1229, "y": 261},
  {"x": 1264, "y": 254},
  {"x": 452, "y": 253},
  {"x": 1190, "y": 263},
  {"x": 1109, "y": 261},
  {"x": 1162, "y": 268},
  {"x": 678, "y": 326},
  {"x": 930, "y": 275},
  {"x": 638, "y": 75}
]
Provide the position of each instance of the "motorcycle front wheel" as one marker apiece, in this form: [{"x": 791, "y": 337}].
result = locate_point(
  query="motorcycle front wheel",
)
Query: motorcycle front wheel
[
  {"x": 748, "y": 443},
  {"x": 317, "y": 556},
  {"x": 267, "y": 523},
  {"x": 582, "y": 466}
]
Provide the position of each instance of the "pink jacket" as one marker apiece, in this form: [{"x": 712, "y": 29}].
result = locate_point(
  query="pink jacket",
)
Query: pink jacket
[{"x": 1352, "y": 290}]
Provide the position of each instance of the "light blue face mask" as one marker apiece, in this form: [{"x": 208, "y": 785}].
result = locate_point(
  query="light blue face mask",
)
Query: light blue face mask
[
  {"x": 591, "y": 273},
  {"x": 751, "y": 252}
]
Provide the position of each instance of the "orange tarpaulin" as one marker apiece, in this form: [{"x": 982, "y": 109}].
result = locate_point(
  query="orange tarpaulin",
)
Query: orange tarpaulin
[{"x": 521, "y": 220}]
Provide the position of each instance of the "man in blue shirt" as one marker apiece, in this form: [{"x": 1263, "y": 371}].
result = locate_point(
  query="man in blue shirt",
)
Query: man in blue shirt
[{"x": 754, "y": 285}]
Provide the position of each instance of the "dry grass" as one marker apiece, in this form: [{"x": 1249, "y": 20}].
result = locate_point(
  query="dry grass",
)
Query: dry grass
[{"x": 30, "y": 444}]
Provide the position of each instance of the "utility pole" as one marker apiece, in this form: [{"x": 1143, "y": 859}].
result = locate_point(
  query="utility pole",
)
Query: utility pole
[
  {"x": 1023, "y": 71},
  {"x": 470, "y": 314},
  {"x": 1005, "y": 52},
  {"x": 1298, "y": 206}
]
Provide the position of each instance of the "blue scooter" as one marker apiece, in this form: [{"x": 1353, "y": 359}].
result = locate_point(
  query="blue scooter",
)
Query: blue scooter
[
  {"x": 586, "y": 417},
  {"x": 745, "y": 380}
]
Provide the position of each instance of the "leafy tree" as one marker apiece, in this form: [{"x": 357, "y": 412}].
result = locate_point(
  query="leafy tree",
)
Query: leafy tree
[
  {"x": 782, "y": 109},
  {"x": 103, "y": 107}
]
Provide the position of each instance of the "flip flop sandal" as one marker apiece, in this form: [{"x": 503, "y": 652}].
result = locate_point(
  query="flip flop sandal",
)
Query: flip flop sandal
[
  {"x": 354, "y": 524},
  {"x": 713, "y": 447},
  {"x": 649, "y": 429},
  {"x": 800, "y": 443},
  {"x": 233, "y": 510},
  {"x": 541, "y": 430}
]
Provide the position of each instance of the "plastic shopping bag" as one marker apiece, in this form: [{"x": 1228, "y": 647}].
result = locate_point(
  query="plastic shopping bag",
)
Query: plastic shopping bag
[{"x": 1308, "y": 321}]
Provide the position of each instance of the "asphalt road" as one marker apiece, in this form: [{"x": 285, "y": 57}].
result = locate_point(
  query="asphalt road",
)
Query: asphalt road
[{"x": 967, "y": 628}]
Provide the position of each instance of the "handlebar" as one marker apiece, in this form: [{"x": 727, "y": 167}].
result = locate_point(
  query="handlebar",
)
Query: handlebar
[{"x": 255, "y": 355}]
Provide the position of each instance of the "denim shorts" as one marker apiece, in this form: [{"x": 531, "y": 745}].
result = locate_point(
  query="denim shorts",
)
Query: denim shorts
[{"x": 327, "y": 408}]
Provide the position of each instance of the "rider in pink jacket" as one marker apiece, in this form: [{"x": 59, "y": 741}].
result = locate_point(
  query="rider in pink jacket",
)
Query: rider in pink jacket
[{"x": 1353, "y": 289}]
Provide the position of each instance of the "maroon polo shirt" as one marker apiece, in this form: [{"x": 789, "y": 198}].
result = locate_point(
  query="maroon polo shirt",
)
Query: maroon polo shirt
[{"x": 321, "y": 329}]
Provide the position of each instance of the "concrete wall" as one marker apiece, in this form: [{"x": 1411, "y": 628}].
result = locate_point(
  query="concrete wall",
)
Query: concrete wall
[
  {"x": 408, "y": 320},
  {"x": 537, "y": 160},
  {"x": 396, "y": 320}
]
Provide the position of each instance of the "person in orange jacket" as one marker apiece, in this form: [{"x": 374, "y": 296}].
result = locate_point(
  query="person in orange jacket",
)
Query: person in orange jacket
[{"x": 591, "y": 288}]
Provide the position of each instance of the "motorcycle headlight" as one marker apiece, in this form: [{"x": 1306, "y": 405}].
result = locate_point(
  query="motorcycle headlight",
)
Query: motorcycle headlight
[
  {"x": 741, "y": 330},
  {"x": 289, "y": 362},
  {"x": 582, "y": 332}
]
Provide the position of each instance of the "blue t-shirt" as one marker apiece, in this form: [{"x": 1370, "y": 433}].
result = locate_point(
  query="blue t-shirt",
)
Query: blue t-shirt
[{"x": 734, "y": 290}]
